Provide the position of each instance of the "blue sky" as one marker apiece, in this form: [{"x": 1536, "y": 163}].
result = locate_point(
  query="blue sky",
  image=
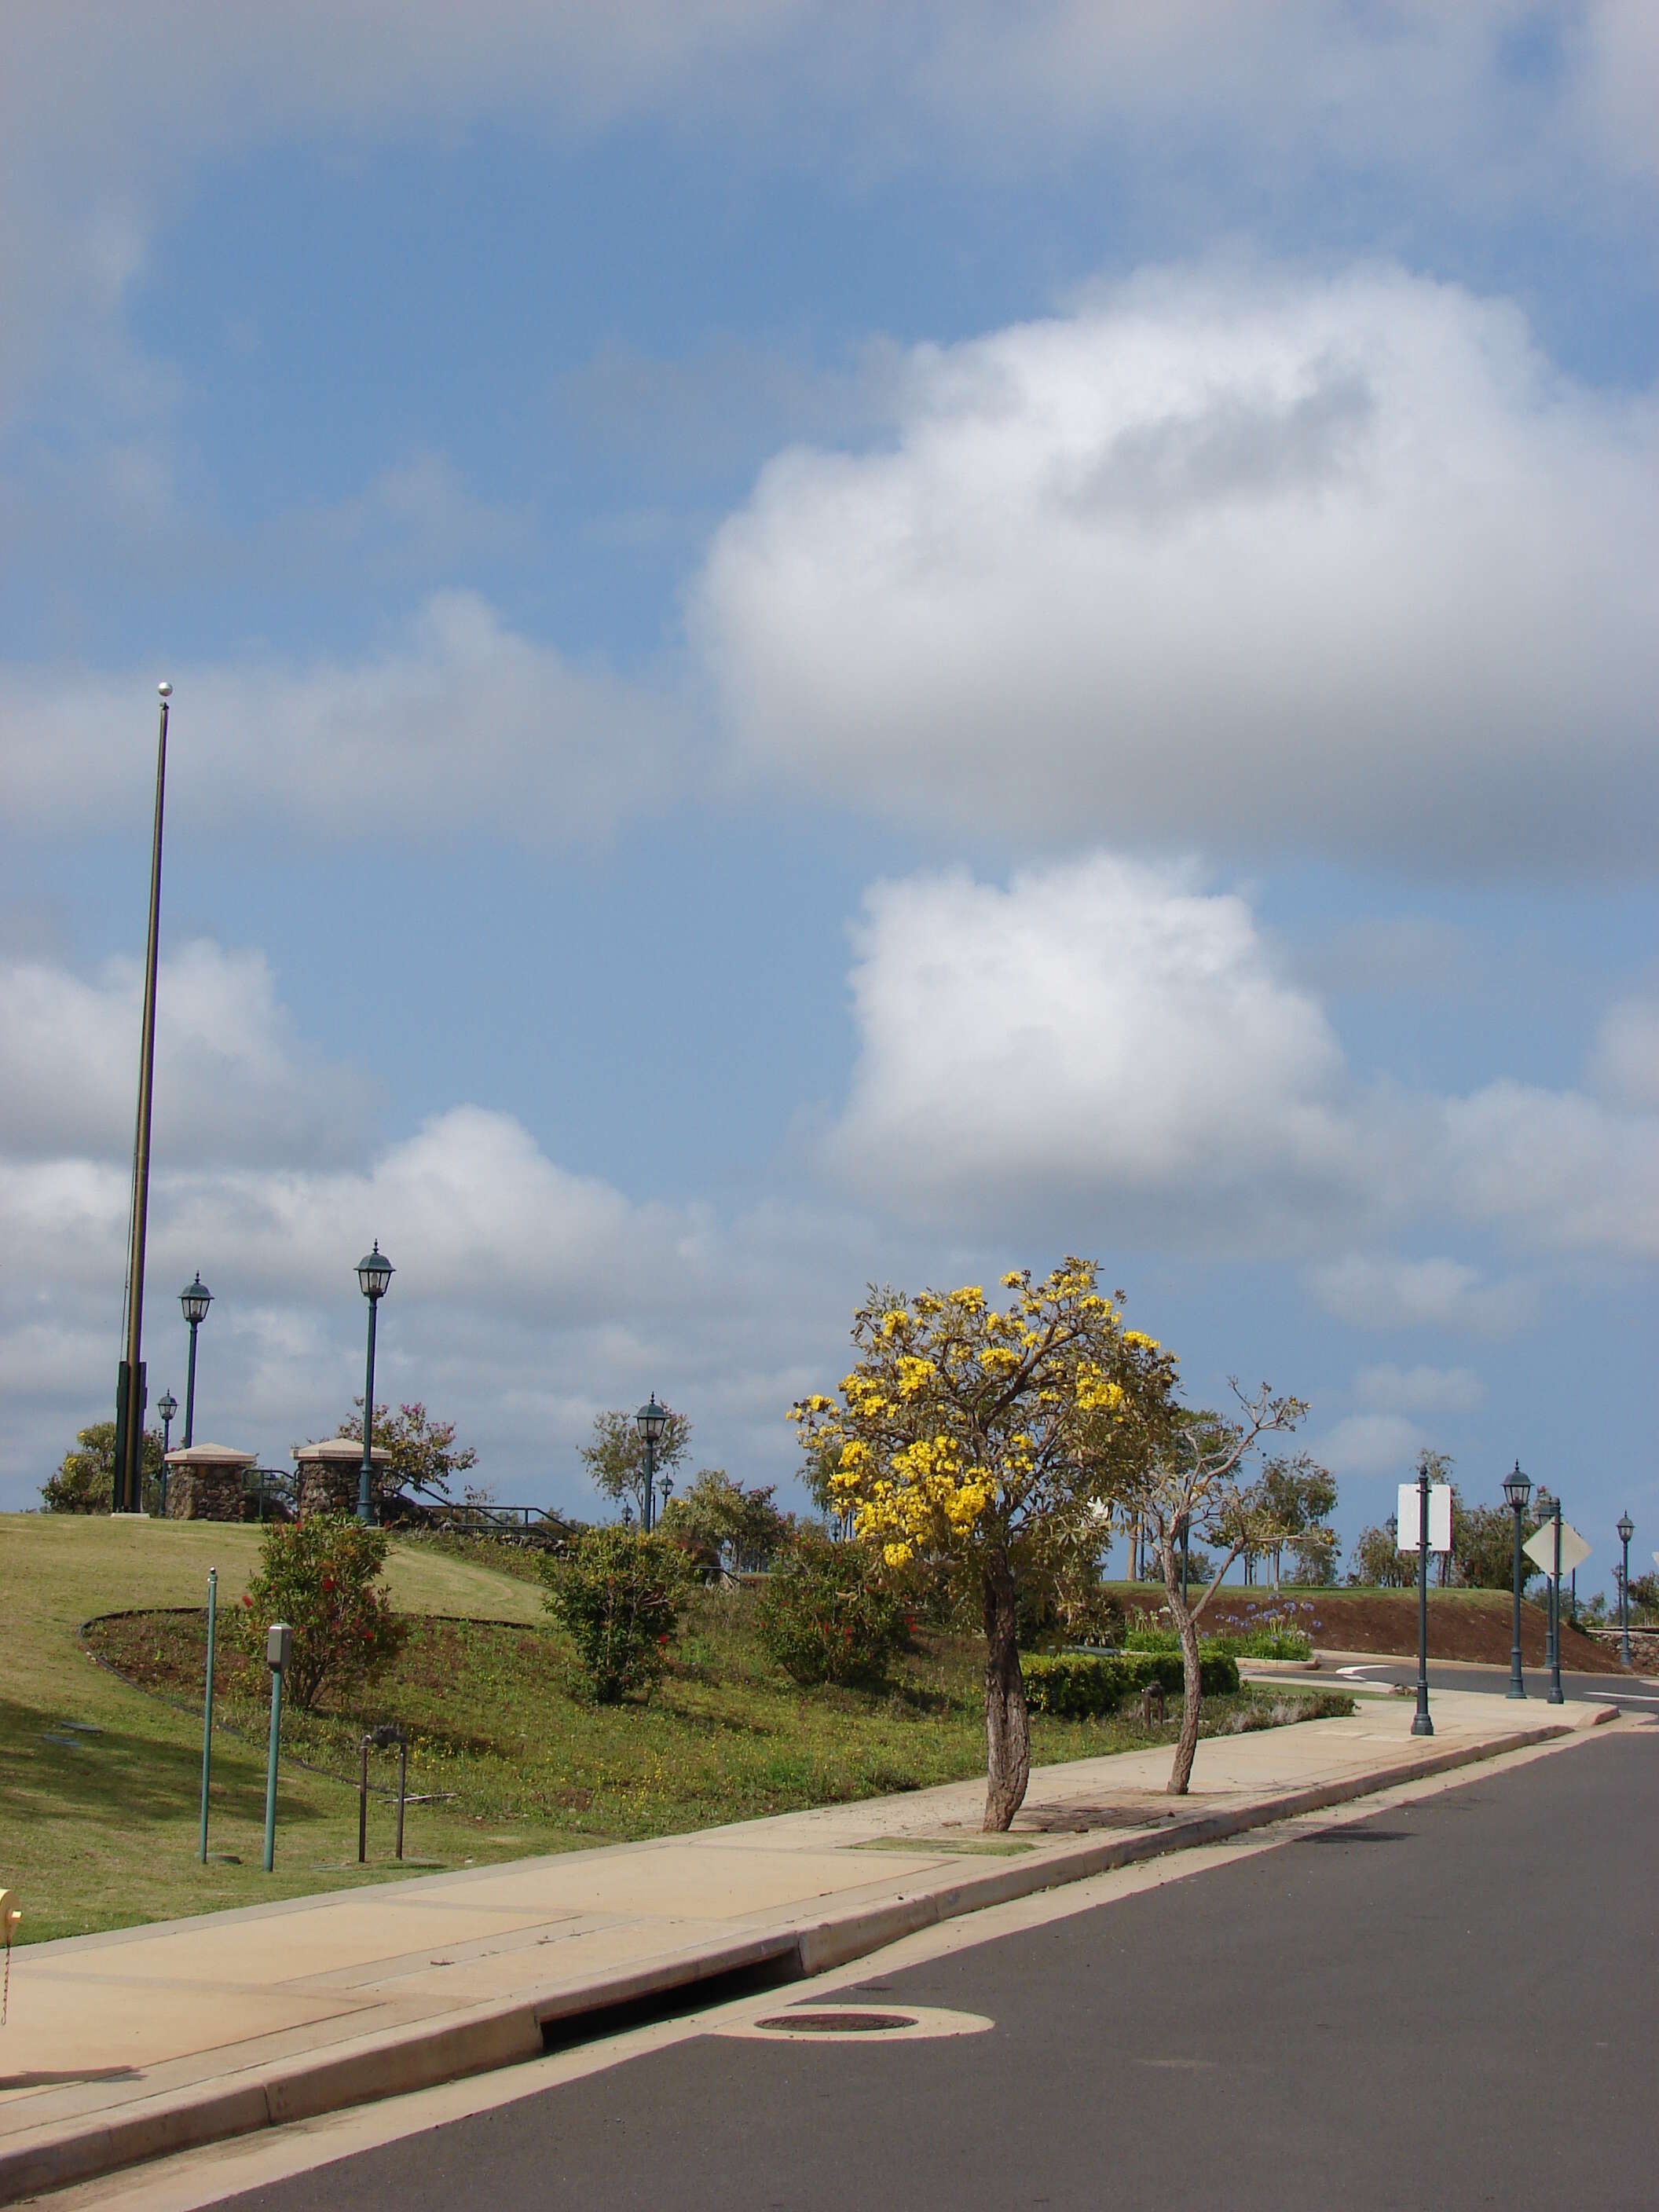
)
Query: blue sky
[{"x": 819, "y": 644}]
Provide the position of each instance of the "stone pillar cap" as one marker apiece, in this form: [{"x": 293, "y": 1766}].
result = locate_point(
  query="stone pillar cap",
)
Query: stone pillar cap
[
  {"x": 343, "y": 1451},
  {"x": 206, "y": 1456}
]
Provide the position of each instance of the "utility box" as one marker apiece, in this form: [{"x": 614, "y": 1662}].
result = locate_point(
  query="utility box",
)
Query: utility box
[{"x": 278, "y": 1643}]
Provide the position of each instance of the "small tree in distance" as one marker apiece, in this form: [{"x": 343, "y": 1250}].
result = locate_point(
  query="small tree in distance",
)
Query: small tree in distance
[
  {"x": 423, "y": 1457},
  {"x": 85, "y": 1481},
  {"x": 715, "y": 1512},
  {"x": 1188, "y": 1475},
  {"x": 614, "y": 1459}
]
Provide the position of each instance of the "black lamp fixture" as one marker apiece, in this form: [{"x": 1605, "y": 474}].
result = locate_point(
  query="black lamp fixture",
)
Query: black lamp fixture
[
  {"x": 1517, "y": 1492},
  {"x": 193, "y": 1300},
  {"x": 651, "y": 1420},
  {"x": 1626, "y": 1528},
  {"x": 374, "y": 1272}
]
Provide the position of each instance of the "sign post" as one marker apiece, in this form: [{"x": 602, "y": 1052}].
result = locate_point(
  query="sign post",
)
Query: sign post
[
  {"x": 1558, "y": 1549},
  {"x": 278, "y": 1643},
  {"x": 207, "y": 1707}
]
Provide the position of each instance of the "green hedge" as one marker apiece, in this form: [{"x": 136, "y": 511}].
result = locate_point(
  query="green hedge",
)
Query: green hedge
[{"x": 1083, "y": 1685}]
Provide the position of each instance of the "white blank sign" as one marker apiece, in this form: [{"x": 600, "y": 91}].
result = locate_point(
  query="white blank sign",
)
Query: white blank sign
[{"x": 1439, "y": 1518}]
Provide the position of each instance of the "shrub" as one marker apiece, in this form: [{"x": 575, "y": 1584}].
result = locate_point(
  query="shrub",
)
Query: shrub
[
  {"x": 1268, "y": 1644},
  {"x": 322, "y": 1577},
  {"x": 1086, "y": 1685},
  {"x": 619, "y": 1594},
  {"x": 824, "y": 1616},
  {"x": 85, "y": 1482}
]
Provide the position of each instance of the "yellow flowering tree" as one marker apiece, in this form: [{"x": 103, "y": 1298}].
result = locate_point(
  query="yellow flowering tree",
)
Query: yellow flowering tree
[{"x": 975, "y": 1431}]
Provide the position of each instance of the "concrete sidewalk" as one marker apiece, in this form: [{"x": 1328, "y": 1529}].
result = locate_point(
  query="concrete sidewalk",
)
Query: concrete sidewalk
[{"x": 125, "y": 2047}]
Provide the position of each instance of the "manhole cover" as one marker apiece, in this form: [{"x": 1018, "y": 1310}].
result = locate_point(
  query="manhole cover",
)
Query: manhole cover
[{"x": 854, "y": 2023}]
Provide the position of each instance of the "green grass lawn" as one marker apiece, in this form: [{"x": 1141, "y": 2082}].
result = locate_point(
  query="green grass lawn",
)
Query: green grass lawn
[{"x": 100, "y": 1780}]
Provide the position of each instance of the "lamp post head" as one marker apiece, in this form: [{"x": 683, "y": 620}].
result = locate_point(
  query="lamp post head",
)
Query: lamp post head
[
  {"x": 651, "y": 1419},
  {"x": 374, "y": 1272},
  {"x": 1517, "y": 1488},
  {"x": 195, "y": 1298},
  {"x": 167, "y": 1405},
  {"x": 1626, "y": 1527}
]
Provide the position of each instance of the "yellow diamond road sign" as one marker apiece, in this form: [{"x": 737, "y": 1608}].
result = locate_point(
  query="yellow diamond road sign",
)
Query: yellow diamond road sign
[{"x": 1540, "y": 1549}]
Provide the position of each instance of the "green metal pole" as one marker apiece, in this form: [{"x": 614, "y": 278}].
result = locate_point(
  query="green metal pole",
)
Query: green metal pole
[
  {"x": 366, "y": 1476},
  {"x": 1517, "y": 1679},
  {"x": 270, "y": 1770},
  {"x": 1555, "y": 1696},
  {"x": 206, "y": 1706},
  {"x": 1421, "y": 1725}
]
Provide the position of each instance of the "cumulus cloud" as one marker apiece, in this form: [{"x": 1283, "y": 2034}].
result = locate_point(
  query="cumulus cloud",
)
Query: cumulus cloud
[
  {"x": 1105, "y": 1028},
  {"x": 1225, "y": 555},
  {"x": 1421, "y": 1389},
  {"x": 1381, "y": 1290},
  {"x": 458, "y": 721},
  {"x": 233, "y": 1078},
  {"x": 1116, "y": 1037},
  {"x": 527, "y": 1295},
  {"x": 1368, "y": 1445}
]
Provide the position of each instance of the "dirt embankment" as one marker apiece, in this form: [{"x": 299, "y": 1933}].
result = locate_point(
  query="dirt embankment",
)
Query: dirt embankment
[{"x": 1463, "y": 1623}]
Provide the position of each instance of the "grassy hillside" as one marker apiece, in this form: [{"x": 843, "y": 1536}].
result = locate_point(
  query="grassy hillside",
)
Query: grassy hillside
[{"x": 100, "y": 1778}]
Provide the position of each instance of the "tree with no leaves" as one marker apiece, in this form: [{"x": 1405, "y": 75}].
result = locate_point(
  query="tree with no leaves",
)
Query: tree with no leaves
[
  {"x": 1188, "y": 1475},
  {"x": 981, "y": 1436}
]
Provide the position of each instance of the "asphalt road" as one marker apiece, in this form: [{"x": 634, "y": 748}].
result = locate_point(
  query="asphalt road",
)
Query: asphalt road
[
  {"x": 1631, "y": 1692},
  {"x": 1449, "y": 2003}
]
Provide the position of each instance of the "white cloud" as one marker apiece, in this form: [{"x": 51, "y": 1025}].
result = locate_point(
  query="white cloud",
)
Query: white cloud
[
  {"x": 1102, "y": 1029},
  {"x": 458, "y": 721},
  {"x": 526, "y": 1295},
  {"x": 231, "y": 1078},
  {"x": 1369, "y": 1445},
  {"x": 1625, "y": 1064},
  {"x": 1109, "y": 1042},
  {"x": 1226, "y": 555},
  {"x": 1379, "y": 1290},
  {"x": 1419, "y": 1389}
]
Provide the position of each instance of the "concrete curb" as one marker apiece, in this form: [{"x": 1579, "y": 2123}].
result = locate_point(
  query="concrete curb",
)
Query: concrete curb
[{"x": 499, "y": 2035}]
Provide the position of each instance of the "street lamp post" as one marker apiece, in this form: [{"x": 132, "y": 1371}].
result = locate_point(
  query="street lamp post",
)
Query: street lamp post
[
  {"x": 1517, "y": 1490},
  {"x": 651, "y": 1420},
  {"x": 374, "y": 1272},
  {"x": 193, "y": 1301},
  {"x": 1556, "y": 1696},
  {"x": 167, "y": 1406},
  {"x": 1626, "y": 1528},
  {"x": 128, "y": 1486}
]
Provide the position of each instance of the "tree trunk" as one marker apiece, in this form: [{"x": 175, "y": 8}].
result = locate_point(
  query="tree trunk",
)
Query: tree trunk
[
  {"x": 1192, "y": 1689},
  {"x": 1007, "y": 1725}
]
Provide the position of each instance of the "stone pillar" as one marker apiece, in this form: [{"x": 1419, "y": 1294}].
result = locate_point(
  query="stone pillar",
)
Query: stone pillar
[
  {"x": 205, "y": 1482},
  {"x": 328, "y": 1473}
]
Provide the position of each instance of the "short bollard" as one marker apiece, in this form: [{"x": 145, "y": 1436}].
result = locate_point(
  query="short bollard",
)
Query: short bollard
[
  {"x": 278, "y": 1643},
  {"x": 380, "y": 1739},
  {"x": 207, "y": 1707}
]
